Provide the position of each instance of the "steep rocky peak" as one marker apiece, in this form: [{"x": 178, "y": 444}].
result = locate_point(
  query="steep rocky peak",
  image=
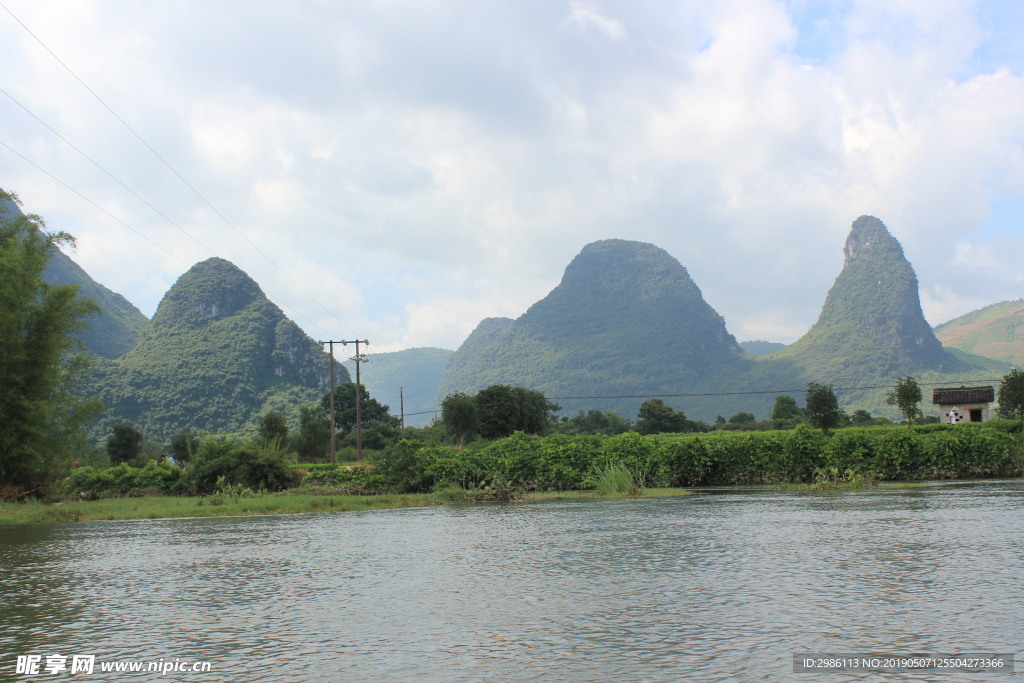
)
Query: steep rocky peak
[{"x": 870, "y": 238}]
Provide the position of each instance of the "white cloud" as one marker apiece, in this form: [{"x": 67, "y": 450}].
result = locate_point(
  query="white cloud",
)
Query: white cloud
[{"x": 418, "y": 167}]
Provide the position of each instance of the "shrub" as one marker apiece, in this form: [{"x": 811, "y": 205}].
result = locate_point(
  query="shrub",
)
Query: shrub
[
  {"x": 250, "y": 465},
  {"x": 124, "y": 480}
]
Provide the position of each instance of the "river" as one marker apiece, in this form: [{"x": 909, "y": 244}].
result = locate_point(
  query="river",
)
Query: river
[{"x": 719, "y": 585}]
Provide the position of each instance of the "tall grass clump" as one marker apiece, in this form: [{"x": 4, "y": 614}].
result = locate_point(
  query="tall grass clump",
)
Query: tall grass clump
[{"x": 615, "y": 478}]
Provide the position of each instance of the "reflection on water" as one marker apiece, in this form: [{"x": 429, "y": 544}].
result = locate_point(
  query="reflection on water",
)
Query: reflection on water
[{"x": 720, "y": 585}]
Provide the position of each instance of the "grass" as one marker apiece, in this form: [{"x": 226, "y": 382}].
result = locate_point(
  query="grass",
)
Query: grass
[
  {"x": 287, "y": 502},
  {"x": 831, "y": 479}
]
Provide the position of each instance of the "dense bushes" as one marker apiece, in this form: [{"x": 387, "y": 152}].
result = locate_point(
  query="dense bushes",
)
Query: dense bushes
[
  {"x": 714, "y": 458},
  {"x": 566, "y": 462},
  {"x": 125, "y": 480},
  {"x": 218, "y": 462}
]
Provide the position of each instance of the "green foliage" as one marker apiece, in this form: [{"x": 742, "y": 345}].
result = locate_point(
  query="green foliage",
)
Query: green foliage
[
  {"x": 216, "y": 355},
  {"x": 272, "y": 427},
  {"x": 684, "y": 461},
  {"x": 906, "y": 396},
  {"x": 785, "y": 408},
  {"x": 613, "y": 477},
  {"x": 124, "y": 480},
  {"x": 40, "y": 420},
  {"x": 124, "y": 444},
  {"x": 822, "y": 407},
  {"x": 504, "y": 409},
  {"x": 655, "y": 417},
  {"x": 637, "y": 453},
  {"x": 594, "y": 422},
  {"x": 313, "y": 438},
  {"x": 460, "y": 416},
  {"x": 370, "y": 409},
  {"x": 251, "y": 465},
  {"x": 359, "y": 478},
  {"x": 185, "y": 445},
  {"x": 1011, "y": 395}
]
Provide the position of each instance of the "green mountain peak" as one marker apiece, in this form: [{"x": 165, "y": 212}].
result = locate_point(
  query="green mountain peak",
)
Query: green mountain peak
[
  {"x": 871, "y": 323},
  {"x": 210, "y": 290},
  {"x": 626, "y": 319},
  {"x": 217, "y": 355}
]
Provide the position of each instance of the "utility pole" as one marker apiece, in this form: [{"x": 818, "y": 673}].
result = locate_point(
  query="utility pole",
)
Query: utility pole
[
  {"x": 334, "y": 450},
  {"x": 401, "y": 405},
  {"x": 358, "y": 358}
]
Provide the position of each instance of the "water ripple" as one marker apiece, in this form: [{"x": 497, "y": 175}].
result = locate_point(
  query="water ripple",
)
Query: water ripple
[{"x": 721, "y": 585}]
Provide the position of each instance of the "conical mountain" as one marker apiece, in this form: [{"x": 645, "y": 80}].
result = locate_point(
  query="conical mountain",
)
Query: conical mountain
[
  {"x": 871, "y": 324},
  {"x": 216, "y": 355},
  {"x": 626, "y": 320}
]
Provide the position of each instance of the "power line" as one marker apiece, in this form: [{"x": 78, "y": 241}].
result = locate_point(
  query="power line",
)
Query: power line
[
  {"x": 751, "y": 393},
  {"x": 166, "y": 163},
  {"x": 280, "y": 303}
]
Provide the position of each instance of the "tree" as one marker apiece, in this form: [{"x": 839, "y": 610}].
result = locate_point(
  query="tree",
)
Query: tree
[
  {"x": 270, "y": 428},
  {"x": 742, "y": 419},
  {"x": 1011, "y": 395},
  {"x": 655, "y": 417},
  {"x": 314, "y": 436},
  {"x": 535, "y": 411},
  {"x": 822, "y": 407},
  {"x": 785, "y": 408},
  {"x": 370, "y": 410},
  {"x": 862, "y": 418},
  {"x": 460, "y": 415},
  {"x": 40, "y": 359},
  {"x": 184, "y": 445},
  {"x": 594, "y": 422},
  {"x": 504, "y": 409},
  {"x": 906, "y": 396},
  {"x": 124, "y": 444}
]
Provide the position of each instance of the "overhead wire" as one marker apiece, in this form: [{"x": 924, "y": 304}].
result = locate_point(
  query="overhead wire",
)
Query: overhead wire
[
  {"x": 173, "y": 170},
  {"x": 128, "y": 226},
  {"x": 180, "y": 177}
]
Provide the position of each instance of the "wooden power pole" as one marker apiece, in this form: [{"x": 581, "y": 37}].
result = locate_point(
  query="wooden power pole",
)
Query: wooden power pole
[
  {"x": 334, "y": 449},
  {"x": 358, "y": 358}
]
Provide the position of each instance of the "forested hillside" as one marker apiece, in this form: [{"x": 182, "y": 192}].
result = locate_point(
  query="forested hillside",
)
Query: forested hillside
[
  {"x": 995, "y": 331},
  {"x": 216, "y": 355},
  {"x": 625, "y": 321},
  {"x": 628, "y": 322}
]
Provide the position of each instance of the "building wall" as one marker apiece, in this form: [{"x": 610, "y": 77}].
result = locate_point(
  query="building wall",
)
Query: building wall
[{"x": 964, "y": 412}]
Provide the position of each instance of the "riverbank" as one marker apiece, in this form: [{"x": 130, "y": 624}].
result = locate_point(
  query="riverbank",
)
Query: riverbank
[{"x": 286, "y": 502}]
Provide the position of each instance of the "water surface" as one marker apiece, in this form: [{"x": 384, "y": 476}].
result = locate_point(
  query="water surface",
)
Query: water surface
[{"x": 719, "y": 585}]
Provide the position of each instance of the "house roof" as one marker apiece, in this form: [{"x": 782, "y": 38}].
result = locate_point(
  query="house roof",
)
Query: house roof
[{"x": 947, "y": 397}]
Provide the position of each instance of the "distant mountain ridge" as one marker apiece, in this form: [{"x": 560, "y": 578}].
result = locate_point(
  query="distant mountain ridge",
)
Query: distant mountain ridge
[
  {"x": 216, "y": 355},
  {"x": 627, "y": 323},
  {"x": 410, "y": 376},
  {"x": 995, "y": 331}
]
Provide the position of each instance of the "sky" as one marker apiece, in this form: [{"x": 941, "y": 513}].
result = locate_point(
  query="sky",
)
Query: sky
[{"x": 397, "y": 171}]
